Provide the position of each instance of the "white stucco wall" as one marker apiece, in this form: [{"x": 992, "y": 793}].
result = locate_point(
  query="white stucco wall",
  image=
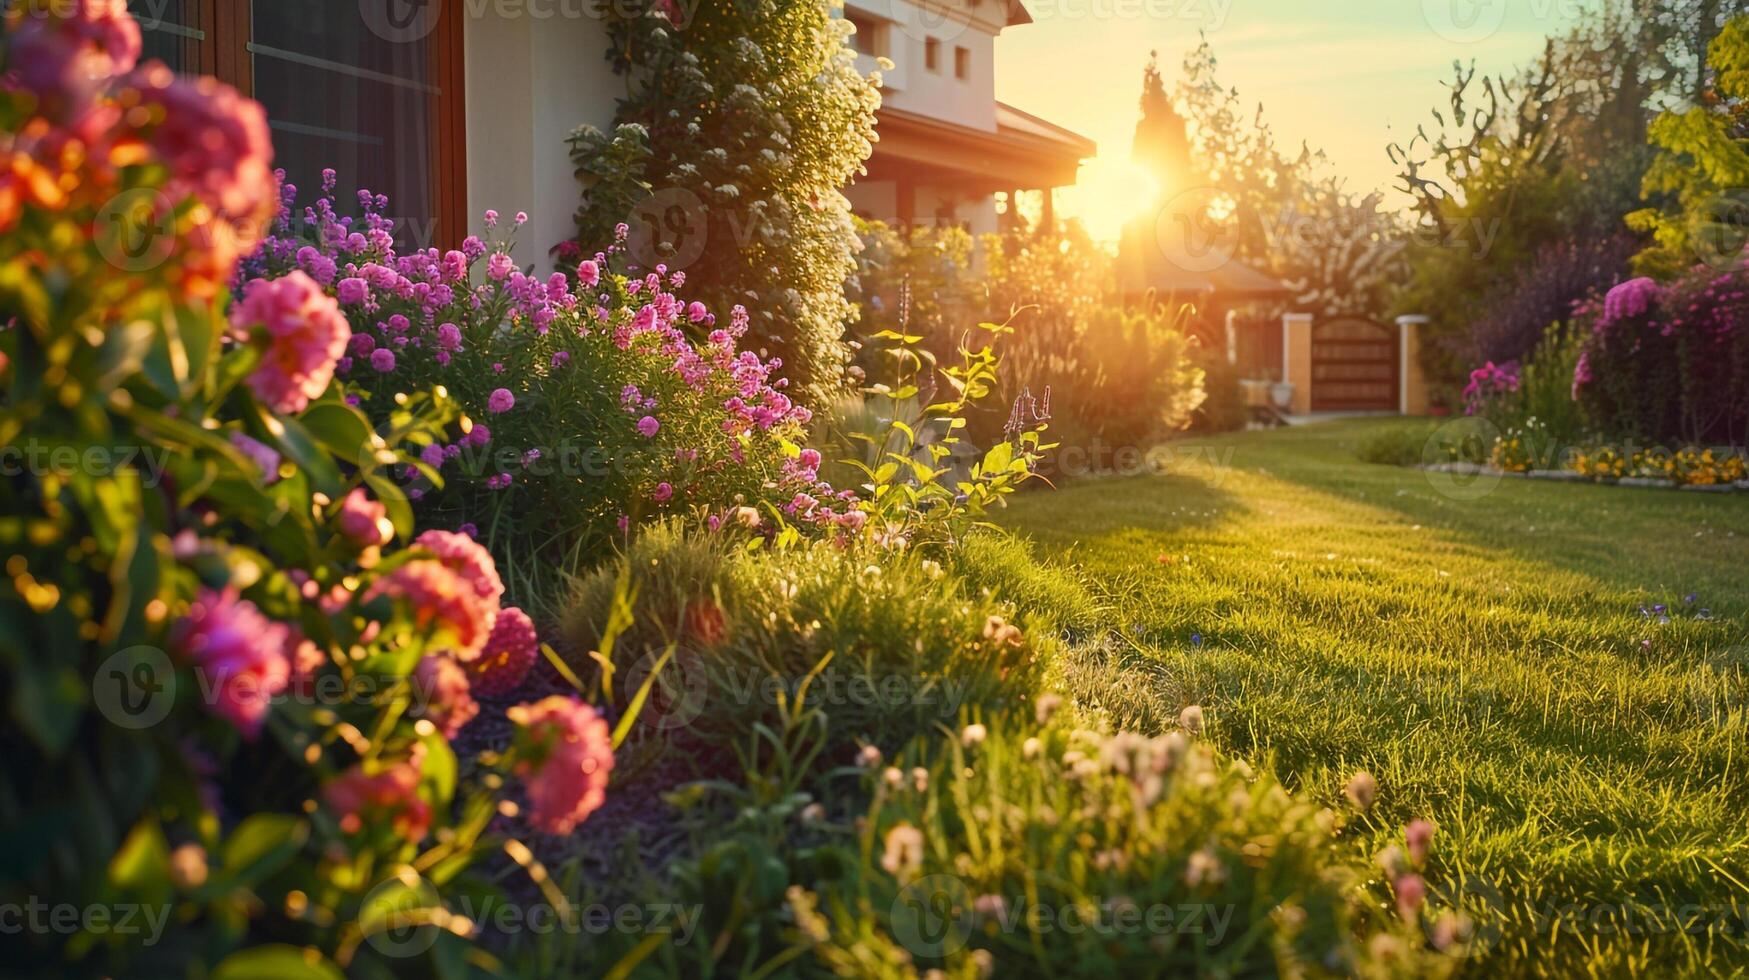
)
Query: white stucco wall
[
  {"x": 910, "y": 85},
  {"x": 531, "y": 79}
]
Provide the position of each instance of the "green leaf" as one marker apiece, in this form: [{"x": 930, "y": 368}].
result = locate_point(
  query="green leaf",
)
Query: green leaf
[
  {"x": 295, "y": 441},
  {"x": 624, "y": 728},
  {"x": 440, "y": 769},
  {"x": 340, "y": 429},
  {"x": 277, "y": 962},
  {"x": 998, "y": 459},
  {"x": 261, "y": 845}
]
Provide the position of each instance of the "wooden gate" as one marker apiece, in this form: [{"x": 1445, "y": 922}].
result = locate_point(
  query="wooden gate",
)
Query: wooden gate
[{"x": 1354, "y": 366}]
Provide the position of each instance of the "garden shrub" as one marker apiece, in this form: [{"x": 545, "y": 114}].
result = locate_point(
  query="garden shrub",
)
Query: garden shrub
[
  {"x": 1545, "y": 290},
  {"x": 742, "y": 121},
  {"x": 890, "y": 646},
  {"x": 1670, "y": 363},
  {"x": 1023, "y": 850},
  {"x": 231, "y": 665},
  {"x": 586, "y": 406}
]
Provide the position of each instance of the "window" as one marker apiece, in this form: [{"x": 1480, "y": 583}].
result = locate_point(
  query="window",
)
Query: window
[
  {"x": 962, "y": 63},
  {"x": 870, "y": 36},
  {"x": 352, "y": 86},
  {"x": 932, "y": 54}
]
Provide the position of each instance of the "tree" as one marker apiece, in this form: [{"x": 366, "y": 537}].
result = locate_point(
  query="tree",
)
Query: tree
[
  {"x": 739, "y": 127},
  {"x": 1702, "y": 168}
]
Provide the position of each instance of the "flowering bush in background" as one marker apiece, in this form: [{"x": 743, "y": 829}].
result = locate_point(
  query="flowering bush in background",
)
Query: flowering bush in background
[
  {"x": 586, "y": 407},
  {"x": 231, "y": 669},
  {"x": 1671, "y": 362}
]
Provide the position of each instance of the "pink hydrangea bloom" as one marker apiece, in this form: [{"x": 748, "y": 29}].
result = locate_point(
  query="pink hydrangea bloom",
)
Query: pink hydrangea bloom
[
  {"x": 510, "y": 654},
  {"x": 441, "y": 599},
  {"x": 306, "y": 336},
  {"x": 214, "y": 142},
  {"x": 564, "y": 756},
  {"x": 64, "y": 53},
  {"x": 363, "y": 521},
  {"x": 1630, "y": 299},
  {"x": 387, "y": 796},
  {"x": 469, "y": 559},
  {"x": 501, "y": 401},
  {"x": 441, "y": 688},
  {"x": 241, "y": 654},
  {"x": 353, "y": 291}
]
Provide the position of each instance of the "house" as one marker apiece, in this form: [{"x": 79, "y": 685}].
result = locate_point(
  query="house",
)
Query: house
[
  {"x": 451, "y": 107},
  {"x": 946, "y": 147}
]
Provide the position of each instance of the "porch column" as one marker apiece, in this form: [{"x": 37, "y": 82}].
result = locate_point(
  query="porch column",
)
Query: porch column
[
  {"x": 1232, "y": 320},
  {"x": 1296, "y": 355},
  {"x": 1048, "y": 223},
  {"x": 905, "y": 202},
  {"x": 1412, "y": 394}
]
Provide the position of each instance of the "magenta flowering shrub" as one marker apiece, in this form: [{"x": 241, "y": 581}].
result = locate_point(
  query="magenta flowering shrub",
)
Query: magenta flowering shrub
[
  {"x": 587, "y": 408},
  {"x": 1670, "y": 363},
  {"x": 230, "y": 669},
  {"x": 1488, "y": 384}
]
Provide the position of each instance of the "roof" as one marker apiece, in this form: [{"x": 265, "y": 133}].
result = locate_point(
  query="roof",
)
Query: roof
[
  {"x": 1018, "y": 14},
  {"x": 1010, "y": 118},
  {"x": 1144, "y": 266},
  {"x": 1023, "y": 151}
]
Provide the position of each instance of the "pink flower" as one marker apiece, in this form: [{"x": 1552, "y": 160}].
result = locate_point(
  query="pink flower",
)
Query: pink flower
[
  {"x": 1411, "y": 892},
  {"x": 648, "y": 426},
  {"x": 588, "y": 273},
  {"x": 469, "y": 560},
  {"x": 214, "y": 142},
  {"x": 353, "y": 291},
  {"x": 440, "y": 601},
  {"x": 663, "y": 493},
  {"x": 1419, "y": 835},
  {"x": 386, "y": 797},
  {"x": 697, "y": 312},
  {"x": 449, "y": 337},
  {"x": 479, "y": 435},
  {"x": 306, "y": 335},
  {"x": 363, "y": 521},
  {"x": 501, "y": 401},
  {"x": 500, "y": 266},
  {"x": 382, "y": 360},
  {"x": 260, "y": 454},
  {"x": 65, "y": 52},
  {"x": 564, "y": 756},
  {"x": 510, "y": 654},
  {"x": 242, "y": 656},
  {"x": 440, "y": 687}
]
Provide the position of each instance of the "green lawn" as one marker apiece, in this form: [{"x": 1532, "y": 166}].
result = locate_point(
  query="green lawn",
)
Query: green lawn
[{"x": 1486, "y": 658}]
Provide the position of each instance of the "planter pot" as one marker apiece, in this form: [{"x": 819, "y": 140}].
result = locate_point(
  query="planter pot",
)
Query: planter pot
[{"x": 1282, "y": 394}]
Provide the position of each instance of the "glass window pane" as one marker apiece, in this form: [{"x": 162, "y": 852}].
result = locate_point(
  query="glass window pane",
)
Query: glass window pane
[
  {"x": 340, "y": 94},
  {"x": 171, "y": 31}
]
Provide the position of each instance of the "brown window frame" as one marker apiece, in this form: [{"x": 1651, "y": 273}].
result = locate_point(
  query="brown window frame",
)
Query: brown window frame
[
  {"x": 223, "y": 52},
  {"x": 932, "y": 54},
  {"x": 962, "y": 62}
]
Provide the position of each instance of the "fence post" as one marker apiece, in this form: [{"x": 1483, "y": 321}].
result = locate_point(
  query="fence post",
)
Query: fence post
[
  {"x": 1412, "y": 396},
  {"x": 1296, "y": 355}
]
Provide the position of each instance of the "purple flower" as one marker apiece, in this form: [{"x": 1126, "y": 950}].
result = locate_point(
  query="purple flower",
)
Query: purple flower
[
  {"x": 561, "y": 359},
  {"x": 663, "y": 493},
  {"x": 500, "y": 266},
  {"x": 479, "y": 435},
  {"x": 449, "y": 336},
  {"x": 353, "y": 292},
  {"x": 382, "y": 360},
  {"x": 501, "y": 401},
  {"x": 648, "y": 426}
]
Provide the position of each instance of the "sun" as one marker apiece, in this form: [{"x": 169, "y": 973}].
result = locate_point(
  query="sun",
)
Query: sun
[{"x": 1110, "y": 191}]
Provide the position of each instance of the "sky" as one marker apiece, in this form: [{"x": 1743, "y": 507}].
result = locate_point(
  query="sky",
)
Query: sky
[{"x": 1347, "y": 76}]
